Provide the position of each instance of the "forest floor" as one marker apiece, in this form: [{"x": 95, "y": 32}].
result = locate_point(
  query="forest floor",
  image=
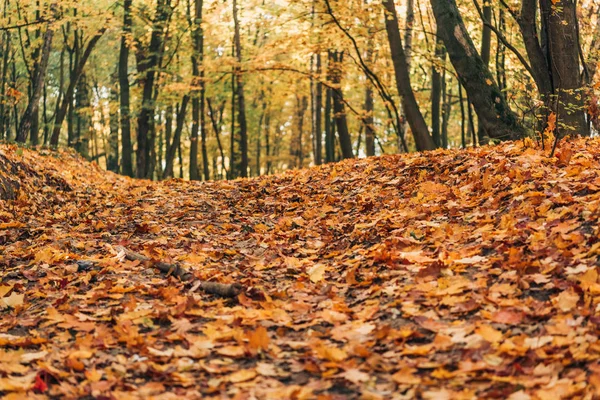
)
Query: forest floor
[{"x": 445, "y": 275}]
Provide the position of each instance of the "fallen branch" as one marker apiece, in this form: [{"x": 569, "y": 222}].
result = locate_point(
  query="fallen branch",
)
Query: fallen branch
[
  {"x": 166, "y": 268},
  {"x": 219, "y": 289}
]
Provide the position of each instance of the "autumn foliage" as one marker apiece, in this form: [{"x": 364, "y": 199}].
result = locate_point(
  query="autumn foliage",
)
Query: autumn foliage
[{"x": 452, "y": 274}]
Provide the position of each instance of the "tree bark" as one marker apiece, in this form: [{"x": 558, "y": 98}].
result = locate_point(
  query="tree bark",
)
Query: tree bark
[
  {"x": 486, "y": 46},
  {"x": 112, "y": 160},
  {"x": 492, "y": 109},
  {"x": 420, "y": 131},
  {"x": 198, "y": 102},
  {"x": 148, "y": 73},
  {"x": 562, "y": 40},
  {"x": 318, "y": 114},
  {"x": 240, "y": 96},
  {"x": 436, "y": 92},
  {"x": 124, "y": 98},
  {"x": 338, "y": 106}
]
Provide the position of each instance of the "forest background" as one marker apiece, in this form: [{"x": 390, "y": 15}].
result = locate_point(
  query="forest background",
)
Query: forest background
[{"x": 204, "y": 89}]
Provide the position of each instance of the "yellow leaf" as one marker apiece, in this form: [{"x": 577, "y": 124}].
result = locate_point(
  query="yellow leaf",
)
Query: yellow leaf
[
  {"x": 13, "y": 300},
  {"x": 243, "y": 375},
  {"x": 316, "y": 273},
  {"x": 232, "y": 351},
  {"x": 331, "y": 353},
  {"x": 489, "y": 334},
  {"x": 566, "y": 301},
  {"x": 406, "y": 377}
]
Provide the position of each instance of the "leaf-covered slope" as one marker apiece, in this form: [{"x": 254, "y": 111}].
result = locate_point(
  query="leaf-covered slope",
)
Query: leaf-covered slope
[{"x": 446, "y": 275}]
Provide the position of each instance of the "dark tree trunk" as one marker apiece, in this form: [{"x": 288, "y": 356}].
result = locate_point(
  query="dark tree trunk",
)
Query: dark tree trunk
[
  {"x": 198, "y": 102},
  {"x": 318, "y": 115},
  {"x": 415, "y": 119},
  {"x": 369, "y": 108},
  {"x": 463, "y": 130},
  {"x": 486, "y": 46},
  {"x": 338, "y": 106},
  {"x": 82, "y": 103},
  {"x": 232, "y": 157},
  {"x": 240, "y": 96},
  {"x": 436, "y": 93},
  {"x": 38, "y": 84},
  {"x": 492, "y": 109},
  {"x": 112, "y": 160},
  {"x": 329, "y": 133},
  {"x": 148, "y": 74},
  {"x": 563, "y": 55},
  {"x": 124, "y": 98}
]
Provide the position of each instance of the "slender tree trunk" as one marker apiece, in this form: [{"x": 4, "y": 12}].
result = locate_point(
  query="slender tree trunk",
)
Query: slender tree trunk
[
  {"x": 268, "y": 142},
  {"x": 492, "y": 109},
  {"x": 423, "y": 139},
  {"x": 486, "y": 46},
  {"x": 82, "y": 101},
  {"x": 240, "y": 96},
  {"x": 329, "y": 133},
  {"x": 463, "y": 133},
  {"x": 232, "y": 158},
  {"x": 318, "y": 114},
  {"x": 368, "y": 121},
  {"x": 124, "y": 98},
  {"x": 40, "y": 76},
  {"x": 198, "y": 102},
  {"x": 338, "y": 106},
  {"x": 446, "y": 108},
  {"x": 112, "y": 160},
  {"x": 436, "y": 92}
]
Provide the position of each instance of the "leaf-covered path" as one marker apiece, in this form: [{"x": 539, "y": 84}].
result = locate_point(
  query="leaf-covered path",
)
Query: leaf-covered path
[{"x": 445, "y": 275}]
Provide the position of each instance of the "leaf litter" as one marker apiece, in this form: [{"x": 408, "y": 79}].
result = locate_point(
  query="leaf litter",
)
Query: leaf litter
[{"x": 444, "y": 275}]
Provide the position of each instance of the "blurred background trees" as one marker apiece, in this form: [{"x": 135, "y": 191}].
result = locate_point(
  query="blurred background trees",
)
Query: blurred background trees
[{"x": 213, "y": 89}]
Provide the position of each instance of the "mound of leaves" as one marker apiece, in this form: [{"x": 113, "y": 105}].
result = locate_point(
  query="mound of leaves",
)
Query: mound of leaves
[{"x": 443, "y": 275}]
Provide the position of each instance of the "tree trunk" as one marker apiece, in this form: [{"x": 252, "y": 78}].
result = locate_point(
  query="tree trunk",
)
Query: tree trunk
[
  {"x": 436, "y": 92},
  {"x": 338, "y": 106},
  {"x": 329, "y": 141},
  {"x": 82, "y": 101},
  {"x": 240, "y": 96},
  {"x": 232, "y": 157},
  {"x": 423, "y": 140},
  {"x": 148, "y": 74},
  {"x": 40, "y": 77},
  {"x": 198, "y": 102},
  {"x": 492, "y": 109},
  {"x": 112, "y": 160},
  {"x": 562, "y": 39},
  {"x": 318, "y": 117},
  {"x": 486, "y": 46},
  {"x": 124, "y": 98}
]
